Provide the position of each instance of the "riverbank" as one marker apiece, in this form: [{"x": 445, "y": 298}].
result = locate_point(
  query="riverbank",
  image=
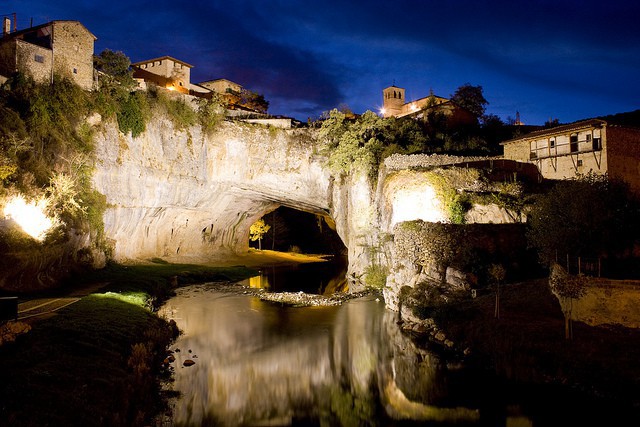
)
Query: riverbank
[
  {"x": 527, "y": 344},
  {"x": 99, "y": 361}
]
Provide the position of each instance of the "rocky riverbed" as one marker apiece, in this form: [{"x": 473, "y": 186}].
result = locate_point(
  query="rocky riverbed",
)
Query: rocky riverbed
[{"x": 293, "y": 299}]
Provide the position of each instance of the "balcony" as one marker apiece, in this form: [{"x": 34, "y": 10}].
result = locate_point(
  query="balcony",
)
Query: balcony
[{"x": 565, "y": 149}]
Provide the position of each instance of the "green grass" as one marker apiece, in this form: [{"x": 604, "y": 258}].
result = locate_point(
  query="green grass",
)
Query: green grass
[
  {"x": 97, "y": 362},
  {"x": 154, "y": 279},
  {"x": 73, "y": 369}
]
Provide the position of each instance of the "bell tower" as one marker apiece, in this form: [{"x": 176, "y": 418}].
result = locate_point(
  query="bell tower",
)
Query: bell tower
[{"x": 392, "y": 101}]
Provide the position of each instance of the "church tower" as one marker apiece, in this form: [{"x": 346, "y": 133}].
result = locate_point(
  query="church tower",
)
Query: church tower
[{"x": 392, "y": 101}]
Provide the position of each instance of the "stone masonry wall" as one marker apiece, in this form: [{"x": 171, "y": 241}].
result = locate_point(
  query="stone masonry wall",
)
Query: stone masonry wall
[{"x": 73, "y": 47}]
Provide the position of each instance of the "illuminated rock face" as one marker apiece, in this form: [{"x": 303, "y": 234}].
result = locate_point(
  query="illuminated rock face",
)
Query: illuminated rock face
[
  {"x": 189, "y": 197},
  {"x": 185, "y": 196}
]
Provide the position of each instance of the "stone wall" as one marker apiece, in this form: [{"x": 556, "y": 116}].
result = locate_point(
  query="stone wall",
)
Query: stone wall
[
  {"x": 606, "y": 302},
  {"x": 452, "y": 256},
  {"x": 623, "y": 151},
  {"x": 73, "y": 52},
  {"x": 36, "y": 60}
]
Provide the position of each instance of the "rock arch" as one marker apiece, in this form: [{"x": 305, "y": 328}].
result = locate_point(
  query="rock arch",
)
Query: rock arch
[{"x": 187, "y": 196}]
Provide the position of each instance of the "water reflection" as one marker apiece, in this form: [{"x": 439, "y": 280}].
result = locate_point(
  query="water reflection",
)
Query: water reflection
[
  {"x": 323, "y": 278},
  {"x": 261, "y": 364}
]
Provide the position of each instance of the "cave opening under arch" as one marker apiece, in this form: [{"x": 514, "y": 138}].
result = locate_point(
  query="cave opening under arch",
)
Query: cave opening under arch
[{"x": 299, "y": 232}]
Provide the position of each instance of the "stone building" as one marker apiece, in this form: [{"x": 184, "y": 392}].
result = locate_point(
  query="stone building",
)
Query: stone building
[
  {"x": 236, "y": 97},
  {"x": 57, "y": 47},
  {"x": 166, "y": 71},
  {"x": 394, "y": 104},
  {"x": 222, "y": 86},
  {"x": 578, "y": 148}
]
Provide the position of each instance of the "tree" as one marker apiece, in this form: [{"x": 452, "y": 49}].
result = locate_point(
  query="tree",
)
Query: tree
[
  {"x": 257, "y": 230},
  {"x": 353, "y": 143},
  {"x": 586, "y": 216},
  {"x": 497, "y": 274},
  {"x": 254, "y": 101},
  {"x": 471, "y": 99},
  {"x": 116, "y": 68},
  {"x": 568, "y": 287},
  {"x": 551, "y": 123}
]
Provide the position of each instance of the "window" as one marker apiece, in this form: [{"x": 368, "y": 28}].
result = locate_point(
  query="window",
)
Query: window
[
  {"x": 579, "y": 163},
  {"x": 39, "y": 58},
  {"x": 588, "y": 137},
  {"x": 573, "y": 143},
  {"x": 552, "y": 143},
  {"x": 597, "y": 144},
  {"x": 75, "y": 71}
]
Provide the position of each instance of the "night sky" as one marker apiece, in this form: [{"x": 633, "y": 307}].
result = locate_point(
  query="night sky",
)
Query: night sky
[{"x": 568, "y": 60}]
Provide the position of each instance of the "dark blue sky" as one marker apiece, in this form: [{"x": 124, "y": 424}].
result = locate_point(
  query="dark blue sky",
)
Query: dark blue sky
[{"x": 569, "y": 60}]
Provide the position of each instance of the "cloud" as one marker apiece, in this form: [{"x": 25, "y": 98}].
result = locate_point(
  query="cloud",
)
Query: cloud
[{"x": 310, "y": 55}]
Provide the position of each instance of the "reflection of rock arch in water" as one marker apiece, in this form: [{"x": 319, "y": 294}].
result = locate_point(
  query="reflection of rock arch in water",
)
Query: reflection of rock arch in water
[{"x": 257, "y": 361}]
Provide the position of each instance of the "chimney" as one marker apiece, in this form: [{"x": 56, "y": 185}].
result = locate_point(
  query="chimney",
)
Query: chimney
[{"x": 6, "y": 26}]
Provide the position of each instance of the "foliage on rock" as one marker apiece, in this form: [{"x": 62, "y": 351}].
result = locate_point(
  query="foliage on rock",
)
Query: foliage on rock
[
  {"x": 375, "y": 276},
  {"x": 46, "y": 149},
  {"x": 458, "y": 189},
  {"x": 115, "y": 69},
  {"x": 363, "y": 142},
  {"x": 353, "y": 144}
]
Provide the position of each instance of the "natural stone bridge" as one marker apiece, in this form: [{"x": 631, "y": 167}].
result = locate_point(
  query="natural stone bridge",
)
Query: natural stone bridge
[{"x": 186, "y": 196}]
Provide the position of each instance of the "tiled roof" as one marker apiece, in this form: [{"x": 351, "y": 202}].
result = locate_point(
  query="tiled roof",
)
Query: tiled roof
[
  {"x": 160, "y": 59},
  {"x": 37, "y": 27},
  {"x": 559, "y": 129}
]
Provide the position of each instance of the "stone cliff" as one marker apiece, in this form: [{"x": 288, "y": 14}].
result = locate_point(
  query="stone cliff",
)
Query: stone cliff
[{"x": 187, "y": 196}]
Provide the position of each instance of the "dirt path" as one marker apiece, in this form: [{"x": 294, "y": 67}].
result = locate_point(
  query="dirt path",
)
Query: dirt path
[
  {"x": 39, "y": 307},
  {"x": 42, "y": 306}
]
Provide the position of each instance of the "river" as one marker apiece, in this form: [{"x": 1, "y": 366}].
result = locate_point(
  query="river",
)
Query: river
[{"x": 260, "y": 363}]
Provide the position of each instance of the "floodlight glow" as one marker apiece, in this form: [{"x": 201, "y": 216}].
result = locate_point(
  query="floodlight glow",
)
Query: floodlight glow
[
  {"x": 417, "y": 203},
  {"x": 30, "y": 216}
]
